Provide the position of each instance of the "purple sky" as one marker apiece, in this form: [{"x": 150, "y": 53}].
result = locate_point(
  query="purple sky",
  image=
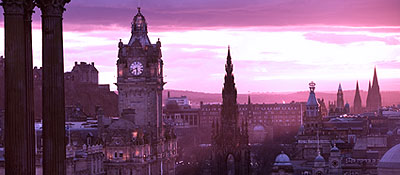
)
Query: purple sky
[{"x": 277, "y": 45}]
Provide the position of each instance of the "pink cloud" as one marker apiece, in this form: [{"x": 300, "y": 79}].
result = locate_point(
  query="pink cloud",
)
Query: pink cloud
[
  {"x": 334, "y": 38},
  {"x": 171, "y": 14}
]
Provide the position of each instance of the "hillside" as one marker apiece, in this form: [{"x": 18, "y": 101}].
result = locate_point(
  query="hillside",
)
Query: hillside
[{"x": 388, "y": 97}]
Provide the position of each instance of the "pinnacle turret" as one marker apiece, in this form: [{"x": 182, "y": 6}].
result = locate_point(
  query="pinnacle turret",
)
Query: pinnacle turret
[{"x": 139, "y": 30}]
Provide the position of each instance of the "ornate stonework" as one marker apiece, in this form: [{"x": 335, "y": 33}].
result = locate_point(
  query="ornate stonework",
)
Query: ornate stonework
[
  {"x": 138, "y": 143},
  {"x": 230, "y": 141},
  {"x": 13, "y": 7},
  {"x": 52, "y": 7}
]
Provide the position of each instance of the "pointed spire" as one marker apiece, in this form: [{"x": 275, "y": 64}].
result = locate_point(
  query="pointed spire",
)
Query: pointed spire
[
  {"x": 374, "y": 99},
  {"x": 229, "y": 84},
  {"x": 248, "y": 99},
  {"x": 369, "y": 85},
  {"x": 339, "y": 100},
  {"x": 375, "y": 79},
  {"x": 357, "y": 100},
  {"x": 229, "y": 66}
]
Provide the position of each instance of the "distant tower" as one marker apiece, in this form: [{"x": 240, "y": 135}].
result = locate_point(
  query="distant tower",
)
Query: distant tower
[
  {"x": 230, "y": 149},
  {"x": 335, "y": 161},
  {"x": 368, "y": 95},
  {"x": 357, "y": 105},
  {"x": 312, "y": 118},
  {"x": 319, "y": 162},
  {"x": 374, "y": 100},
  {"x": 339, "y": 99},
  {"x": 319, "y": 165}
]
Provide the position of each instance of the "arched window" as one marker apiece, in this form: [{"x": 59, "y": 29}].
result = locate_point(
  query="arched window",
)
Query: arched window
[{"x": 230, "y": 162}]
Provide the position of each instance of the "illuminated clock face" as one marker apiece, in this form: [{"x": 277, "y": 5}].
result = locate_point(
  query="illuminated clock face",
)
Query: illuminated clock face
[{"x": 136, "y": 68}]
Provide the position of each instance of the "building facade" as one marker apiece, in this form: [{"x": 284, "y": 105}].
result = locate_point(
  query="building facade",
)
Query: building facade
[
  {"x": 265, "y": 121},
  {"x": 137, "y": 143}
]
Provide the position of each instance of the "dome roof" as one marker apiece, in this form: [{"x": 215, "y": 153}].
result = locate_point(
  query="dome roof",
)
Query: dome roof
[
  {"x": 258, "y": 128},
  {"x": 334, "y": 148},
  {"x": 391, "y": 159},
  {"x": 319, "y": 158},
  {"x": 282, "y": 159},
  {"x": 139, "y": 30}
]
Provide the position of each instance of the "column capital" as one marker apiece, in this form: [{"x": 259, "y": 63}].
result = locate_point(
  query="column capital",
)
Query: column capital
[
  {"x": 52, "y": 7},
  {"x": 13, "y": 7}
]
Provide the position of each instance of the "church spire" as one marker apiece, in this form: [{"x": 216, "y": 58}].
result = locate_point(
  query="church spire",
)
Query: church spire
[
  {"x": 374, "y": 99},
  {"x": 357, "y": 101},
  {"x": 375, "y": 79}
]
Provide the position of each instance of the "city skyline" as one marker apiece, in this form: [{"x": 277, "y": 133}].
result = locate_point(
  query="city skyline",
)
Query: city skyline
[{"x": 276, "y": 46}]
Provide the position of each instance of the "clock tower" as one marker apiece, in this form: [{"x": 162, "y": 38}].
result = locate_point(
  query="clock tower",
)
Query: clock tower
[
  {"x": 137, "y": 142},
  {"x": 140, "y": 78}
]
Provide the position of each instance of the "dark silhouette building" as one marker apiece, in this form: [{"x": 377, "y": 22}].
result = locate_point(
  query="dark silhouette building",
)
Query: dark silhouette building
[
  {"x": 357, "y": 105},
  {"x": 230, "y": 148},
  {"x": 339, "y": 98},
  {"x": 338, "y": 107},
  {"x": 19, "y": 111},
  {"x": 374, "y": 100}
]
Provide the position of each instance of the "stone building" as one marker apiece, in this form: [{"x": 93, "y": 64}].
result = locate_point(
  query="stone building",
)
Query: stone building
[
  {"x": 266, "y": 121},
  {"x": 346, "y": 144},
  {"x": 229, "y": 139},
  {"x": 82, "y": 90},
  {"x": 83, "y": 73},
  {"x": 137, "y": 142}
]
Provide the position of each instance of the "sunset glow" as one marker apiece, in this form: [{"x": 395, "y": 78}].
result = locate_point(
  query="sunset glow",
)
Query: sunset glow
[{"x": 279, "y": 54}]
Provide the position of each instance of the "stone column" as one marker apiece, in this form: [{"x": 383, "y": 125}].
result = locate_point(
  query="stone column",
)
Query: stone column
[
  {"x": 19, "y": 138},
  {"x": 53, "y": 87},
  {"x": 30, "y": 128}
]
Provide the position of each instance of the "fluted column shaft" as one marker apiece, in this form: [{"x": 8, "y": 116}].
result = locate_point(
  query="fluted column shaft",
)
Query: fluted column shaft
[
  {"x": 53, "y": 87},
  {"x": 19, "y": 122}
]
